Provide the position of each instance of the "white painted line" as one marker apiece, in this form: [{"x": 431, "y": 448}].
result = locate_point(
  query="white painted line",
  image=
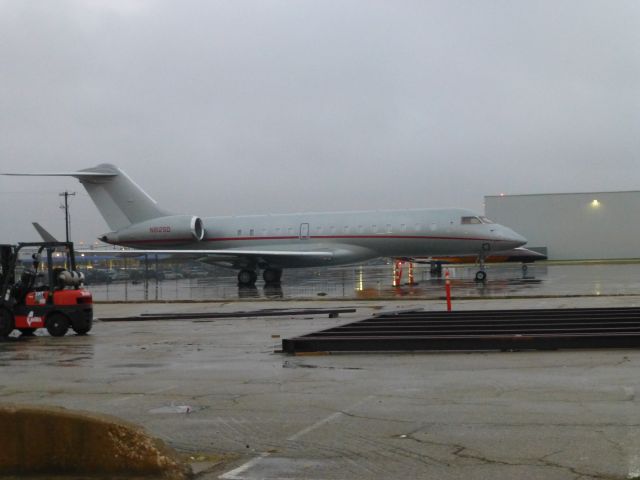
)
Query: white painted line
[
  {"x": 235, "y": 474},
  {"x": 318, "y": 424},
  {"x": 328, "y": 419}
]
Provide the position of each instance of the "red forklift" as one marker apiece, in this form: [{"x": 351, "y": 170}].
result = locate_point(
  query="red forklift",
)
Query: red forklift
[{"x": 48, "y": 292}]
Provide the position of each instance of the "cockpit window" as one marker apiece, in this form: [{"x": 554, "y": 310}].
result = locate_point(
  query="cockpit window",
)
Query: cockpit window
[{"x": 475, "y": 220}]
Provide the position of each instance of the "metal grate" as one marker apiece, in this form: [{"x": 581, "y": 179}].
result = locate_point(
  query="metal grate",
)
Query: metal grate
[{"x": 537, "y": 329}]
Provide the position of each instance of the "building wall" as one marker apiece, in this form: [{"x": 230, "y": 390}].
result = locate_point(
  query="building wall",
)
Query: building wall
[{"x": 571, "y": 225}]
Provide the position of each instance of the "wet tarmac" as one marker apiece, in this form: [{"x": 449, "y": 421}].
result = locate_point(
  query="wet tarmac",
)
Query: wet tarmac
[
  {"x": 376, "y": 282},
  {"x": 218, "y": 393}
]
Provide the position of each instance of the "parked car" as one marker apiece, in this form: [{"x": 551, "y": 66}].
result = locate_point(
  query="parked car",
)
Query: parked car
[{"x": 169, "y": 275}]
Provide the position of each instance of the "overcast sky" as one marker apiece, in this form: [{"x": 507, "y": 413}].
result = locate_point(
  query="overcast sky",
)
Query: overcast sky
[{"x": 256, "y": 106}]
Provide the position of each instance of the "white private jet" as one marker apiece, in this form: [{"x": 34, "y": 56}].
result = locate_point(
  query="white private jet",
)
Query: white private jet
[{"x": 277, "y": 241}]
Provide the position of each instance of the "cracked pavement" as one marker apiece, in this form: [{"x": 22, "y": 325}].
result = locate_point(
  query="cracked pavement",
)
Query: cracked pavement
[{"x": 527, "y": 415}]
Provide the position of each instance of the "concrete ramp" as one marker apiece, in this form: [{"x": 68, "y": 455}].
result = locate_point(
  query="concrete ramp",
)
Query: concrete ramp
[{"x": 55, "y": 441}]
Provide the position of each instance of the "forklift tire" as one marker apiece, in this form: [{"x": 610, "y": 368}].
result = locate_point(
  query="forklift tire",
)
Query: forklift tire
[
  {"x": 57, "y": 325},
  {"x": 27, "y": 332},
  {"x": 81, "y": 328},
  {"x": 6, "y": 322}
]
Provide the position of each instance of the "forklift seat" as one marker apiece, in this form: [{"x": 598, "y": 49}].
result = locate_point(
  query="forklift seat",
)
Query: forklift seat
[{"x": 24, "y": 286}]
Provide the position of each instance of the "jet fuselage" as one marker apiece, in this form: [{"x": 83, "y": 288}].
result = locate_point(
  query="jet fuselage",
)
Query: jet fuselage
[{"x": 351, "y": 236}]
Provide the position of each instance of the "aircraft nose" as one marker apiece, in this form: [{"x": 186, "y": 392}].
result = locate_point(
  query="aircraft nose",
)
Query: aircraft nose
[{"x": 513, "y": 239}]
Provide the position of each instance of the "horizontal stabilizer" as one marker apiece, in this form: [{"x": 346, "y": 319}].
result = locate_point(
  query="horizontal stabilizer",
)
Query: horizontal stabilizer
[{"x": 79, "y": 174}]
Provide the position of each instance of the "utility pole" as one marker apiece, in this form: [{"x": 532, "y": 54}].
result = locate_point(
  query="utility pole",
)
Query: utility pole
[{"x": 67, "y": 224}]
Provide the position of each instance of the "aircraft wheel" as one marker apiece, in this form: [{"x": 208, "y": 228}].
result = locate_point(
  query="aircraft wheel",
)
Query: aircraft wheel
[
  {"x": 272, "y": 275},
  {"x": 247, "y": 277},
  {"x": 481, "y": 276},
  {"x": 57, "y": 325},
  {"x": 6, "y": 322}
]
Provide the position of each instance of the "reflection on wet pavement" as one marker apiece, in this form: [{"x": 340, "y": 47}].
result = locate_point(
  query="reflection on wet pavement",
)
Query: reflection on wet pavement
[
  {"x": 70, "y": 351},
  {"x": 375, "y": 281}
]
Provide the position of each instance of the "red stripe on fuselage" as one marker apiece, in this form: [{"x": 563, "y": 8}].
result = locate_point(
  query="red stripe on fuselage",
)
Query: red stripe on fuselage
[{"x": 313, "y": 237}]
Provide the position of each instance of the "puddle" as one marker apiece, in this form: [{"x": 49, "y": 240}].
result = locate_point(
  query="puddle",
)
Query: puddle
[{"x": 182, "y": 409}]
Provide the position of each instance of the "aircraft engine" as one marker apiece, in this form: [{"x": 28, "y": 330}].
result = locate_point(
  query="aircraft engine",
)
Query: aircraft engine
[{"x": 172, "y": 230}]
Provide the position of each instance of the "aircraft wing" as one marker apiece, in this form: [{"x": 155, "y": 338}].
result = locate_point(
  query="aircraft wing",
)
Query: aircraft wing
[
  {"x": 230, "y": 258},
  {"x": 230, "y": 255},
  {"x": 239, "y": 252}
]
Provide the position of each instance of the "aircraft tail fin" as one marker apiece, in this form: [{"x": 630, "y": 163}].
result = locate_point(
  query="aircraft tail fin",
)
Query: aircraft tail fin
[
  {"x": 44, "y": 234},
  {"x": 119, "y": 199}
]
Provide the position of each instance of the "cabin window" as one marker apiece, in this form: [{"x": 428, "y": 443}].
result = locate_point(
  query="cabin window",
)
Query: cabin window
[
  {"x": 374, "y": 228},
  {"x": 346, "y": 229},
  {"x": 319, "y": 229},
  {"x": 251, "y": 232},
  {"x": 389, "y": 229},
  {"x": 470, "y": 221},
  {"x": 290, "y": 231},
  {"x": 239, "y": 232},
  {"x": 277, "y": 231}
]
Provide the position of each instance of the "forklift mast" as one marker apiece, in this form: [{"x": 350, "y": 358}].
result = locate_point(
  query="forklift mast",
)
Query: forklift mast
[{"x": 8, "y": 258}]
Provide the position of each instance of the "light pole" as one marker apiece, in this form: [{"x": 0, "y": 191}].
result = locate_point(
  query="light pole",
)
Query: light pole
[{"x": 67, "y": 223}]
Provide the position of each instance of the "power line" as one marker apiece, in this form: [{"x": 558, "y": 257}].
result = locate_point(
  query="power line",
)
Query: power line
[{"x": 22, "y": 192}]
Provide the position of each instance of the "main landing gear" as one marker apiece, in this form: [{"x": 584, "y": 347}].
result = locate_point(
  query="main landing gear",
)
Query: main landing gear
[
  {"x": 272, "y": 275},
  {"x": 248, "y": 277}
]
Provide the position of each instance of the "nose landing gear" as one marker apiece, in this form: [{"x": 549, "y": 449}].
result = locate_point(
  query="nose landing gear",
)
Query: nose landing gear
[{"x": 481, "y": 275}]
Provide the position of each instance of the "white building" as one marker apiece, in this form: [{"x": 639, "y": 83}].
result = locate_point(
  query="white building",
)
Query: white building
[{"x": 573, "y": 226}]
